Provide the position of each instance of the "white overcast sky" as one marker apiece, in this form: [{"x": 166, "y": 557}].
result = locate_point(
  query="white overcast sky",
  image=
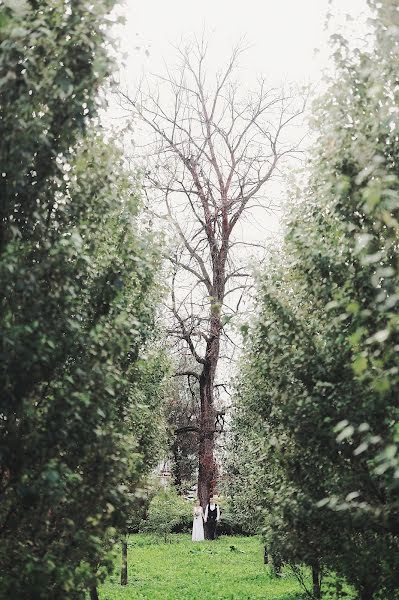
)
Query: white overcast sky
[
  {"x": 282, "y": 34},
  {"x": 287, "y": 41}
]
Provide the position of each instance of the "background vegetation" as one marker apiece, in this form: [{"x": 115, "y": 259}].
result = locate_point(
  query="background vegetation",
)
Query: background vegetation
[{"x": 79, "y": 390}]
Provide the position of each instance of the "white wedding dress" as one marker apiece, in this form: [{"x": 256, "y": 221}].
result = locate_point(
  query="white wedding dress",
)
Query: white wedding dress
[{"x": 198, "y": 525}]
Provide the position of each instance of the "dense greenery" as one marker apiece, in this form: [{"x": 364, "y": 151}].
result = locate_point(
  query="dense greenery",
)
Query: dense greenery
[
  {"x": 166, "y": 511},
  {"x": 231, "y": 567},
  {"x": 318, "y": 406},
  {"x": 181, "y": 415},
  {"x": 79, "y": 392}
]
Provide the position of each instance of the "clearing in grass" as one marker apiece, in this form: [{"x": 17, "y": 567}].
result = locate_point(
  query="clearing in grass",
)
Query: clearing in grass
[{"x": 228, "y": 568}]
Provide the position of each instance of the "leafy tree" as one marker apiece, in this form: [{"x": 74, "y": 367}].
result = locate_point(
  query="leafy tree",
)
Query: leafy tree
[
  {"x": 76, "y": 307},
  {"x": 181, "y": 412},
  {"x": 322, "y": 378},
  {"x": 242, "y": 482}
]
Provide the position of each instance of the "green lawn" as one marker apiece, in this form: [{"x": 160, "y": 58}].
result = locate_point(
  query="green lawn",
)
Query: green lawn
[{"x": 228, "y": 568}]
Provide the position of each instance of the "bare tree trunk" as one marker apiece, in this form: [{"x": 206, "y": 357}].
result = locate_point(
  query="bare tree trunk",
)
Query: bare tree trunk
[
  {"x": 316, "y": 580},
  {"x": 94, "y": 594},
  {"x": 124, "y": 576},
  {"x": 206, "y": 463},
  {"x": 206, "y": 459},
  {"x": 265, "y": 555}
]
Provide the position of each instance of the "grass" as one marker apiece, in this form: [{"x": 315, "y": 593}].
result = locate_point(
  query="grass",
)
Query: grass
[{"x": 230, "y": 568}]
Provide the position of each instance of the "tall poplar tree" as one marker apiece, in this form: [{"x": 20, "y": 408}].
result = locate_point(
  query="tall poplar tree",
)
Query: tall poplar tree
[
  {"x": 76, "y": 307},
  {"x": 322, "y": 378}
]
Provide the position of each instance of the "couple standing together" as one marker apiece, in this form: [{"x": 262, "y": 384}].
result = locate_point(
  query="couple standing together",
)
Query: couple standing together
[{"x": 211, "y": 516}]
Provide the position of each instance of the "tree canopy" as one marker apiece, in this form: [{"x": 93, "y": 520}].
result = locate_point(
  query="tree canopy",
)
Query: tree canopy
[
  {"x": 321, "y": 379},
  {"x": 79, "y": 398}
]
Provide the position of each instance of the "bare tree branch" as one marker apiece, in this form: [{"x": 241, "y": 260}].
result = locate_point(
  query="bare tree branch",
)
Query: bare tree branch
[{"x": 212, "y": 154}]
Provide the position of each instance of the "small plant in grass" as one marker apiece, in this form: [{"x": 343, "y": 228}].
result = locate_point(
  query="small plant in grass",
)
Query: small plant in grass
[{"x": 166, "y": 510}]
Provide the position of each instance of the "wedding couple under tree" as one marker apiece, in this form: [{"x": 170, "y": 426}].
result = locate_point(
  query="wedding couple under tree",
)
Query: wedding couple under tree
[{"x": 205, "y": 519}]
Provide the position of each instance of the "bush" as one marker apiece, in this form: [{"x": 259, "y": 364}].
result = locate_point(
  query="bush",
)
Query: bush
[
  {"x": 149, "y": 488},
  {"x": 166, "y": 513},
  {"x": 230, "y": 522}
]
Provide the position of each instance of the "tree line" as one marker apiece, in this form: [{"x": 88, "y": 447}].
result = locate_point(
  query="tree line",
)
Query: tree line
[
  {"x": 80, "y": 384},
  {"x": 316, "y": 434}
]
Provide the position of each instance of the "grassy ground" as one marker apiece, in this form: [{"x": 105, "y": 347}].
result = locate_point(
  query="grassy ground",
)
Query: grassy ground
[{"x": 230, "y": 568}]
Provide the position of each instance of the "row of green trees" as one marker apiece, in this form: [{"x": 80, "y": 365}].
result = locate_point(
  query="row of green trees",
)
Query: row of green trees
[
  {"x": 317, "y": 412},
  {"x": 79, "y": 387}
]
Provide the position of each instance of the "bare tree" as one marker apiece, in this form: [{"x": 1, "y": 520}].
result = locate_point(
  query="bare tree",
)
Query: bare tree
[{"x": 212, "y": 151}]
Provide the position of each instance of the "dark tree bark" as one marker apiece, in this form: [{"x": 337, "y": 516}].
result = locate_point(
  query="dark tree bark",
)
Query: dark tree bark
[
  {"x": 277, "y": 565},
  {"x": 94, "y": 594},
  {"x": 316, "y": 581},
  {"x": 367, "y": 593},
  {"x": 124, "y": 574},
  {"x": 206, "y": 463},
  {"x": 176, "y": 463}
]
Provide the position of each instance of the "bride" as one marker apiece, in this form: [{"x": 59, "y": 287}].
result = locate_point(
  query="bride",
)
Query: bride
[{"x": 198, "y": 523}]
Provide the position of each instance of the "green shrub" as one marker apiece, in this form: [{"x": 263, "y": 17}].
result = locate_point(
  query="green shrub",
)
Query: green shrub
[
  {"x": 167, "y": 511},
  {"x": 149, "y": 488},
  {"x": 230, "y": 522}
]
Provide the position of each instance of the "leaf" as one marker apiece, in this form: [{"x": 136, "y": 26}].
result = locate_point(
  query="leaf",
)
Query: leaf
[
  {"x": 360, "y": 449},
  {"x": 345, "y": 433},
  {"x": 390, "y": 451},
  {"x": 370, "y": 259},
  {"x": 355, "y": 338},
  {"x": 353, "y": 308},
  {"x": 341, "y": 425},
  {"x": 373, "y": 198},
  {"x": 381, "y": 384},
  {"x": 226, "y": 319},
  {"x": 331, "y": 305},
  {"x": 244, "y": 329},
  {"x": 362, "y": 240},
  {"x": 19, "y": 7},
  {"x": 323, "y": 502},
  {"x": 363, "y": 427},
  {"x": 380, "y": 337},
  {"x": 359, "y": 365},
  {"x": 351, "y": 496}
]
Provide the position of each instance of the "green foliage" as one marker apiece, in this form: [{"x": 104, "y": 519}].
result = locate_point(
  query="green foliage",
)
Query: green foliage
[
  {"x": 319, "y": 396},
  {"x": 79, "y": 390},
  {"x": 231, "y": 567},
  {"x": 166, "y": 511},
  {"x": 148, "y": 488},
  {"x": 232, "y": 521},
  {"x": 52, "y": 61},
  {"x": 243, "y": 485},
  {"x": 181, "y": 413}
]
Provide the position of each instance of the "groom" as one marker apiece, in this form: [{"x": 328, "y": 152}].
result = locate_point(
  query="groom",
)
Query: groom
[{"x": 212, "y": 517}]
